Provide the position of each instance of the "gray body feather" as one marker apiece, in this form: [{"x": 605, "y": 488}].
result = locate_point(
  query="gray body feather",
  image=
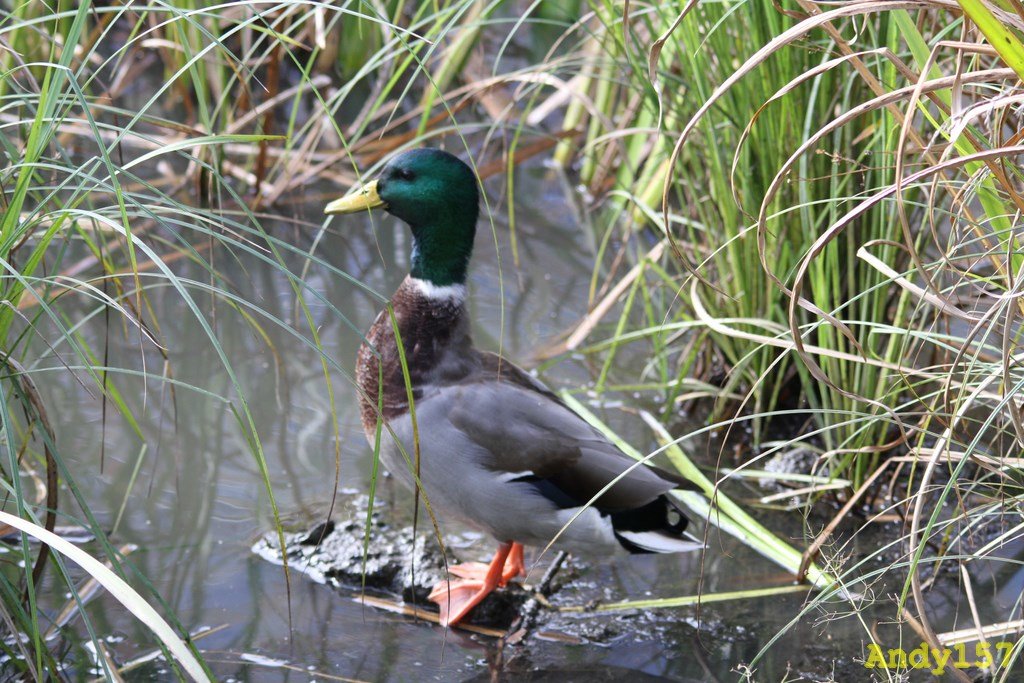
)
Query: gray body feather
[{"x": 496, "y": 448}]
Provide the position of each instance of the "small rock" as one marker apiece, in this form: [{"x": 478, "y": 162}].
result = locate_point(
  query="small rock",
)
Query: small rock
[
  {"x": 796, "y": 461},
  {"x": 333, "y": 553}
]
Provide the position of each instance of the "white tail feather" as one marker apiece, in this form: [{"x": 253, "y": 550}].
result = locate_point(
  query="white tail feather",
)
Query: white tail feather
[{"x": 660, "y": 542}]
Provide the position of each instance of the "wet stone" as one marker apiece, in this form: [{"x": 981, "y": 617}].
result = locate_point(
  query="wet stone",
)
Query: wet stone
[{"x": 332, "y": 552}]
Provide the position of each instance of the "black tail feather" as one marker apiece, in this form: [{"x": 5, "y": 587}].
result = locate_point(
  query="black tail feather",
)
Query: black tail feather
[{"x": 663, "y": 515}]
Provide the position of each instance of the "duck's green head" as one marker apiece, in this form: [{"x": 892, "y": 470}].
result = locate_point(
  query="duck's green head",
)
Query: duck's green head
[{"x": 436, "y": 194}]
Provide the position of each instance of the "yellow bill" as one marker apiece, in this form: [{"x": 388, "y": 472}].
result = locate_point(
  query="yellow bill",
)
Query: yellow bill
[{"x": 364, "y": 198}]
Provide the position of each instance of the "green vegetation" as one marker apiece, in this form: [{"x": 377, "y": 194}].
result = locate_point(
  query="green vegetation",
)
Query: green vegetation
[
  {"x": 876, "y": 186},
  {"x": 806, "y": 221}
]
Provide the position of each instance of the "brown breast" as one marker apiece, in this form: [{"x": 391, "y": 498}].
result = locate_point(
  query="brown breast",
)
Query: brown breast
[{"x": 434, "y": 334}]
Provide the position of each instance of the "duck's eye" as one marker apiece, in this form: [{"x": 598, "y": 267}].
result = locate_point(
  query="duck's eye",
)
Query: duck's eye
[{"x": 405, "y": 174}]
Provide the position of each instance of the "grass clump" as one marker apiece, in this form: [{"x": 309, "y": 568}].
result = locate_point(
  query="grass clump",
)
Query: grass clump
[
  {"x": 143, "y": 145},
  {"x": 716, "y": 207},
  {"x": 102, "y": 192},
  {"x": 818, "y": 207}
]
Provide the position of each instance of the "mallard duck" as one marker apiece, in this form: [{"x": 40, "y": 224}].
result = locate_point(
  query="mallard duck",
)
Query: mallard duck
[{"x": 497, "y": 449}]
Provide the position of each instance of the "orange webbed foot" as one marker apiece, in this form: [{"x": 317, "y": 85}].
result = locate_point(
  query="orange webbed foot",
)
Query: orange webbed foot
[
  {"x": 469, "y": 570},
  {"x": 456, "y": 598},
  {"x": 514, "y": 567}
]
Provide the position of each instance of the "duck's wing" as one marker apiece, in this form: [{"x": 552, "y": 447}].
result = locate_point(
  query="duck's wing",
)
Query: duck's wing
[{"x": 527, "y": 434}]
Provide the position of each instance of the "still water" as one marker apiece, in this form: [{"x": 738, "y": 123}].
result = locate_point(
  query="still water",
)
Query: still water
[{"x": 193, "y": 499}]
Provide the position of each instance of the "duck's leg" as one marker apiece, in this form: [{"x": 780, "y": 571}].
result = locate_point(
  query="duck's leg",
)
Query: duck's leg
[
  {"x": 457, "y": 598},
  {"x": 514, "y": 566}
]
